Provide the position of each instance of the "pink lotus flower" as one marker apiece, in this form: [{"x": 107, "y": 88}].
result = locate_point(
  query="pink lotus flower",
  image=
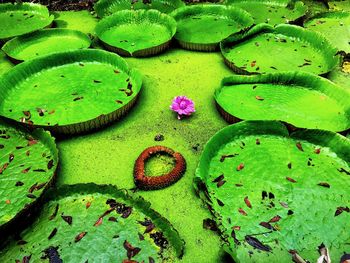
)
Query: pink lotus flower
[{"x": 183, "y": 106}]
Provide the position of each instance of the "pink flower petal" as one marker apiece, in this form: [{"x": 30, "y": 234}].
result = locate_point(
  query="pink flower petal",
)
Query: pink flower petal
[{"x": 183, "y": 106}]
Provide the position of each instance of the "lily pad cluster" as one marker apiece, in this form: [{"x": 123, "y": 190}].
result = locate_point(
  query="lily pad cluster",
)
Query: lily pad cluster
[
  {"x": 66, "y": 88},
  {"x": 276, "y": 182},
  {"x": 73, "y": 223},
  {"x": 202, "y": 27}
]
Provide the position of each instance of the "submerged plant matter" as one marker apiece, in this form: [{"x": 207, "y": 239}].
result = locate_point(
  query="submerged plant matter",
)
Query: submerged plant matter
[{"x": 148, "y": 182}]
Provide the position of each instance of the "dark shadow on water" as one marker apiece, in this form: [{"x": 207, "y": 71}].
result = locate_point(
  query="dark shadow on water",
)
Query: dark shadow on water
[{"x": 226, "y": 258}]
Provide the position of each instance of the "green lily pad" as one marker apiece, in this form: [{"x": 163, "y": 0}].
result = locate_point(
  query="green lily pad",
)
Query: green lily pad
[
  {"x": 5, "y": 63},
  {"x": 275, "y": 194},
  {"x": 107, "y": 7},
  {"x": 339, "y": 5},
  {"x": 265, "y": 49},
  {"x": 45, "y": 42},
  {"x": 28, "y": 162},
  {"x": 335, "y": 26},
  {"x": 69, "y": 92},
  {"x": 93, "y": 223},
  {"x": 26, "y": 17},
  {"x": 341, "y": 75},
  {"x": 315, "y": 7},
  {"x": 202, "y": 27},
  {"x": 301, "y": 99},
  {"x": 272, "y": 11},
  {"x": 83, "y": 21},
  {"x": 136, "y": 33}
]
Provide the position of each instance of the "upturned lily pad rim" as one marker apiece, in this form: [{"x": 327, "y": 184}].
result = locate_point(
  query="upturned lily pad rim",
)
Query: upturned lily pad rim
[
  {"x": 285, "y": 3},
  {"x": 27, "y": 68},
  {"x": 16, "y": 42},
  {"x": 331, "y": 14},
  {"x": 131, "y": 199},
  {"x": 28, "y": 7},
  {"x": 234, "y": 13},
  {"x": 25, "y": 6},
  {"x": 103, "y": 7},
  {"x": 332, "y": 5},
  {"x": 272, "y": 2},
  {"x": 289, "y": 4},
  {"x": 336, "y": 142},
  {"x": 314, "y": 38},
  {"x": 138, "y": 16},
  {"x": 48, "y": 141},
  {"x": 294, "y": 79}
]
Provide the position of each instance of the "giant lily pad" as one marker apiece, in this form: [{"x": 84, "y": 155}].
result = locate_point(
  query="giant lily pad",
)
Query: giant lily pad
[
  {"x": 5, "y": 63},
  {"x": 83, "y": 21},
  {"x": 19, "y": 19},
  {"x": 341, "y": 75},
  {"x": 272, "y": 11},
  {"x": 69, "y": 92},
  {"x": 274, "y": 195},
  {"x": 27, "y": 167},
  {"x": 136, "y": 33},
  {"x": 315, "y": 7},
  {"x": 92, "y": 223},
  {"x": 265, "y": 49},
  {"x": 301, "y": 99},
  {"x": 108, "y": 7},
  {"x": 335, "y": 26},
  {"x": 45, "y": 42},
  {"x": 202, "y": 27},
  {"x": 339, "y": 5}
]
